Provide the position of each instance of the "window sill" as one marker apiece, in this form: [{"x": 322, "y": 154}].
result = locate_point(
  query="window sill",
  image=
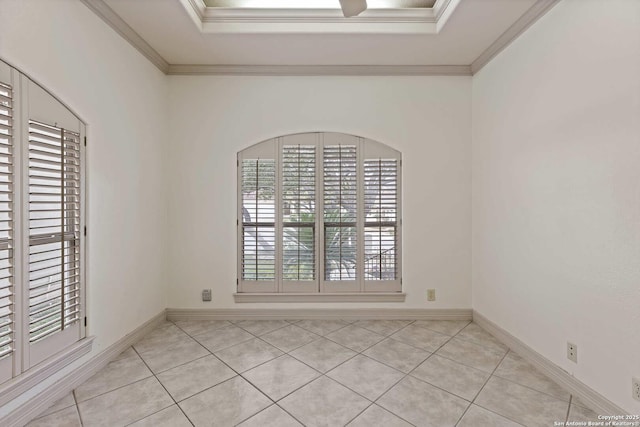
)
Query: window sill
[
  {"x": 317, "y": 297},
  {"x": 32, "y": 377}
]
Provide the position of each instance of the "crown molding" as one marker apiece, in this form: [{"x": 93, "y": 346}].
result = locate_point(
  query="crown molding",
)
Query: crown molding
[
  {"x": 100, "y": 8},
  {"x": 534, "y": 13},
  {"x": 197, "y": 9},
  {"x": 320, "y": 70}
]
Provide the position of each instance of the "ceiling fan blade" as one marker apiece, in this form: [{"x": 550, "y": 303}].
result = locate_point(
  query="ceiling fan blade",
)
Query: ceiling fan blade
[{"x": 353, "y": 7}]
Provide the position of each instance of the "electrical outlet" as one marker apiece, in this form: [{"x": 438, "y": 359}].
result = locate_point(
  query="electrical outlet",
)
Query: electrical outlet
[
  {"x": 572, "y": 352},
  {"x": 635, "y": 390},
  {"x": 206, "y": 295},
  {"x": 431, "y": 294}
]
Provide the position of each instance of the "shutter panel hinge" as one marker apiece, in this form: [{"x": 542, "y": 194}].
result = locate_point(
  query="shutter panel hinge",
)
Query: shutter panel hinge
[
  {"x": 85, "y": 230},
  {"x": 85, "y": 321},
  {"x": 237, "y": 281},
  {"x": 85, "y": 141}
]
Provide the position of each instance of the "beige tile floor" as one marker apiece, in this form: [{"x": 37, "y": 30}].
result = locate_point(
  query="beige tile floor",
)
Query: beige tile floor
[{"x": 317, "y": 373}]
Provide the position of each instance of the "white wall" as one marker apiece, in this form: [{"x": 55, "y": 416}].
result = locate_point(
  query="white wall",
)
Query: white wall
[
  {"x": 556, "y": 191},
  {"x": 426, "y": 118},
  {"x": 121, "y": 96}
]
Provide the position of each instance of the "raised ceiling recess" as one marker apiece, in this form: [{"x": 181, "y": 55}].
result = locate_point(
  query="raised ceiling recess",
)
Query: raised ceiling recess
[{"x": 318, "y": 16}]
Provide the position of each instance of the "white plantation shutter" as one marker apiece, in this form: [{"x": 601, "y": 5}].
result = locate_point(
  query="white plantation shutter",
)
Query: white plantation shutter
[
  {"x": 298, "y": 214},
  {"x": 380, "y": 224},
  {"x": 258, "y": 219},
  {"x": 7, "y": 290},
  {"x": 340, "y": 212},
  {"x": 54, "y": 230}
]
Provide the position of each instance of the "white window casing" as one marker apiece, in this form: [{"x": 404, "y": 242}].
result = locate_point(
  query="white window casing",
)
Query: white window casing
[{"x": 319, "y": 213}]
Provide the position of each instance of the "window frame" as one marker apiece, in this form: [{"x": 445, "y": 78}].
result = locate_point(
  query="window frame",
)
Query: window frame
[
  {"x": 29, "y": 360},
  {"x": 366, "y": 149}
]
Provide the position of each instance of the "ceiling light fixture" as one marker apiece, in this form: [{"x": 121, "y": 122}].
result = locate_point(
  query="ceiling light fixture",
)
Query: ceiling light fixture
[{"x": 353, "y": 7}]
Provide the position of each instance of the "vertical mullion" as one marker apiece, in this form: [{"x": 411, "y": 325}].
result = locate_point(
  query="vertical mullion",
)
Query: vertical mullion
[
  {"x": 277, "y": 212},
  {"x": 380, "y": 218},
  {"x": 340, "y": 205},
  {"x": 298, "y": 228},
  {"x": 360, "y": 215},
  {"x": 319, "y": 233},
  {"x": 62, "y": 229},
  {"x": 24, "y": 229},
  {"x": 257, "y": 217}
]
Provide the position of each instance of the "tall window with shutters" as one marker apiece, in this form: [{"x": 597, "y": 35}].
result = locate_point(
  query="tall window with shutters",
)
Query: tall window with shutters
[
  {"x": 6, "y": 227},
  {"x": 41, "y": 225},
  {"x": 54, "y": 229},
  {"x": 319, "y": 212}
]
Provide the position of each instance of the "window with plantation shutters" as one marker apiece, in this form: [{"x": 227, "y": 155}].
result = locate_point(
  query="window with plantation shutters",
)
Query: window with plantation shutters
[
  {"x": 42, "y": 228},
  {"x": 6, "y": 227},
  {"x": 331, "y": 209},
  {"x": 54, "y": 229}
]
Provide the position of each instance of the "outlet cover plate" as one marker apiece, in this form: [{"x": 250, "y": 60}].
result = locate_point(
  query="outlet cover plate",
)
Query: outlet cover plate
[
  {"x": 572, "y": 352},
  {"x": 635, "y": 390},
  {"x": 431, "y": 294},
  {"x": 206, "y": 295}
]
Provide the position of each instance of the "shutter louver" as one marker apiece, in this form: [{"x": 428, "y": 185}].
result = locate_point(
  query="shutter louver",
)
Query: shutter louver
[
  {"x": 298, "y": 212},
  {"x": 54, "y": 229},
  {"x": 340, "y": 206},
  {"x": 258, "y": 219},
  {"x": 6, "y": 222},
  {"x": 381, "y": 212}
]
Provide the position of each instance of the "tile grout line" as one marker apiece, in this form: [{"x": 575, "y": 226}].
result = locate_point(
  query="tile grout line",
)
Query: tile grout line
[
  {"x": 409, "y": 374},
  {"x": 239, "y": 374},
  {"x": 397, "y": 382},
  {"x": 165, "y": 389},
  {"x": 322, "y": 374},
  {"x": 484, "y": 385},
  {"x": 566, "y": 419},
  {"x": 264, "y": 333},
  {"x": 533, "y": 389},
  {"x": 75, "y": 401},
  {"x": 404, "y": 374}
]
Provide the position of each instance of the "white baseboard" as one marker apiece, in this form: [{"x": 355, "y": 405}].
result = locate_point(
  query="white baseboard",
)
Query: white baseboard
[
  {"x": 591, "y": 398},
  {"x": 49, "y": 395},
  {"x": 318, "y": 313}
]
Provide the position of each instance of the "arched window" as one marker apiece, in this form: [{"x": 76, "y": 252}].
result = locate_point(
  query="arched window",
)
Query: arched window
[
  {"x": 319, "y": 212},
  {"x": 41, "y": 227}
]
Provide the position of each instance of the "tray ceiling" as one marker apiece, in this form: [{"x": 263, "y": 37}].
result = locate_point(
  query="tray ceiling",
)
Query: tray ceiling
[{"x": 172, "y": 34}]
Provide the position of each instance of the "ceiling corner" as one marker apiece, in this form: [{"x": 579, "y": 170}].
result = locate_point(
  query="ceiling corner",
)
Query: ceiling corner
[
  {"x": 100, "y": 8},
  {"x": 535, "y": 12}
]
